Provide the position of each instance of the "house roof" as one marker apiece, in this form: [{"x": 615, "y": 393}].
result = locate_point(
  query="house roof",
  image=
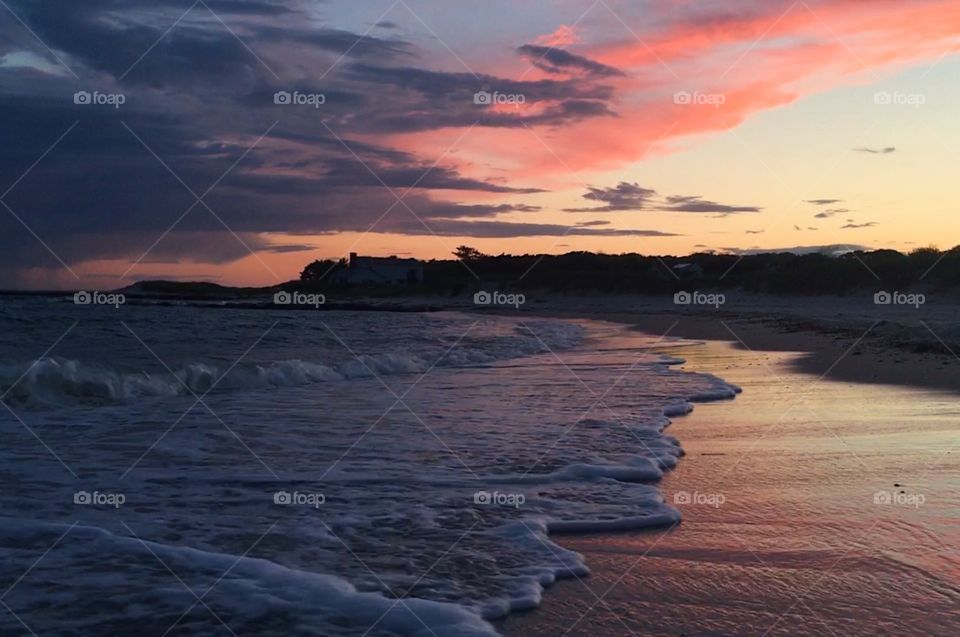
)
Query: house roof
[{"x": 384, "y": 261}]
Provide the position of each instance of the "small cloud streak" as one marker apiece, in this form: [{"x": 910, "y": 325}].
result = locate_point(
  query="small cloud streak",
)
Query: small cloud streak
[
  {"x": 554, "y": 60},
  {"x": 876, "y": 151},
  {"x": 826, "y": 214}
]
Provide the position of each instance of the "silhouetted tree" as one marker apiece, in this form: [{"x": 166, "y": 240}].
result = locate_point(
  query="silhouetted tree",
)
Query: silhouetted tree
[
  {"x": 321, "y": 269},
  {"x": 466, "y": 253}
]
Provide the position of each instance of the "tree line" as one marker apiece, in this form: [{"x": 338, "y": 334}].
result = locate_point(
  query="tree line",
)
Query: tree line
[{"x": 585, "y": 272}]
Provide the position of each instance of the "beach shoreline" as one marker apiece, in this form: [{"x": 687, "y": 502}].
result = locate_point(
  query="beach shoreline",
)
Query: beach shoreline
[
  {"x": 850, "y": 343},
  {"x": 743, "y": 568},
  {"x": 851, "y": 337},
  {"x": 739, "y": 348}
]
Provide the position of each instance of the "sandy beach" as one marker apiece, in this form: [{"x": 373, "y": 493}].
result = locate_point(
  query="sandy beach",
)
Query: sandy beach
[
  {"x": 841, "y": 338},
  {"x": 822, "y": 501}
]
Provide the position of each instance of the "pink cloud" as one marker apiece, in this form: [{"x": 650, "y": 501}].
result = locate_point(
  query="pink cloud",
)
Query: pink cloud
[
  {"x": 757, "y": 59},
  {"x": 564, "y": 36}
]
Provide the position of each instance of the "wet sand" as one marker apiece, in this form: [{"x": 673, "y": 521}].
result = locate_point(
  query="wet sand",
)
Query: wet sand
[
  {"x": 811, "y": 507},
  {"x": 839, "y": 338}
]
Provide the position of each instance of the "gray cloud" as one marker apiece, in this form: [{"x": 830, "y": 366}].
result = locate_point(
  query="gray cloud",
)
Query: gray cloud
[
  {"x": 632, "y": 196},
  {"x": 623, "y": 196},
  {"x": 826, "y": 214},
  {"x": 696, "y": 203},
  {"x": 553, "y": 60},
  {"x": 876, "y": 151},
  {"x": 290, "y": 247}
]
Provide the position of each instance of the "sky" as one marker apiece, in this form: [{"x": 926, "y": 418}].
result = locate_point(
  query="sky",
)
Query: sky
[{"x": 235, "y": 141}]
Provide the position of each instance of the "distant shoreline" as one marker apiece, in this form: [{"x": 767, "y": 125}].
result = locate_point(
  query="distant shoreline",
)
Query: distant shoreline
[{"x": 846, "y": 337}]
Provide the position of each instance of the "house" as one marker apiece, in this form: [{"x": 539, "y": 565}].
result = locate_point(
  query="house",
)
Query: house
[
  {"x": 379, "y": 270},
  {"x": 688, "y": 271}
]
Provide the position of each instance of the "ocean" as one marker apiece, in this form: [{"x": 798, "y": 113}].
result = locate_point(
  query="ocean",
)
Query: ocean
[{"x": 174, "y": 470}]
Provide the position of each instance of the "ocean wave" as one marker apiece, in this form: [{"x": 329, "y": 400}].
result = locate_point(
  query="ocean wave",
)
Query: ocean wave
[
  {"x": 56, "y": 382},
  {"x": 463, "y": 548}
]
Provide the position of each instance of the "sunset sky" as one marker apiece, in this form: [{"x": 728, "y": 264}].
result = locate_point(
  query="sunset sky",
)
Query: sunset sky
[{"x": 624, "y": 126}]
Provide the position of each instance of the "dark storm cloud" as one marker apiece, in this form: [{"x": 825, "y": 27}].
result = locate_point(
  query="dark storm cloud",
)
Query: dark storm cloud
[
  {"x": 201, "y": 97},
  {"x": 462, "y": 115},
  {"x": 344, "y": 43},
  {"x": 105, "y": 36},
  {"x": 553, "y": 60},
  {"x": 186, "y": 45},
  {"x": 348, "y": 171},
  {"x": 439, "y": 84},
  {"x": 422, "y": 99}
]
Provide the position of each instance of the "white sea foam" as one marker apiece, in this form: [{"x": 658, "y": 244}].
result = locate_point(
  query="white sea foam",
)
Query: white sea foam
[
  {"x": 256, "y": 591},
  {"x": 404, "y": 512}
]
